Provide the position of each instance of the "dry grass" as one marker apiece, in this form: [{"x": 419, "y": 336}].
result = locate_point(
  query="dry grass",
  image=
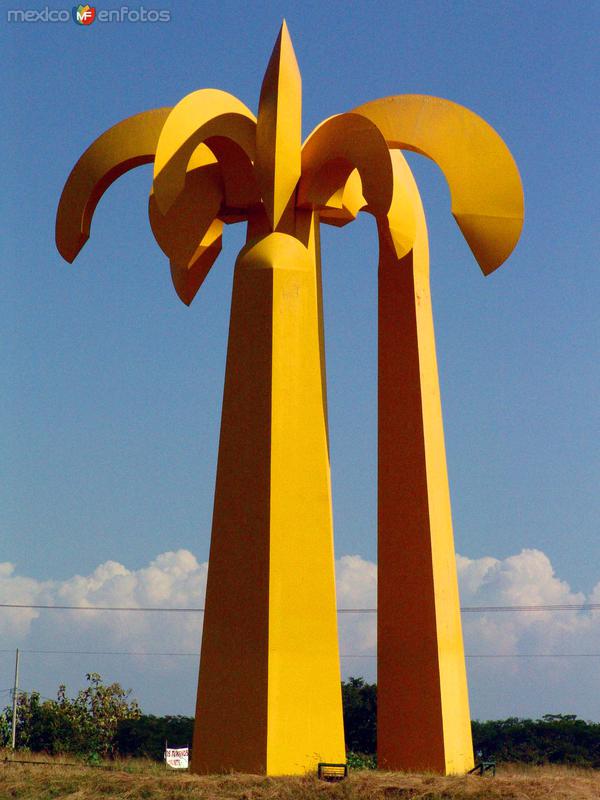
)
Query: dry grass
[{"x": 145, "y": 780}]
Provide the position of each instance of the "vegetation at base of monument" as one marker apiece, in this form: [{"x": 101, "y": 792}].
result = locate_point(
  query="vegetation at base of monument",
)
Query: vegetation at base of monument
[
  {"x": 139, "y": 779},
  {"x": 146, "y": 735},
  {"x": 84, "y": 725},
  {"x": 102, "y": 720},
  {"x": 359, "y": 700},
  {"x": 360, "y": 761},
  {"x": 553, "y": 739}
]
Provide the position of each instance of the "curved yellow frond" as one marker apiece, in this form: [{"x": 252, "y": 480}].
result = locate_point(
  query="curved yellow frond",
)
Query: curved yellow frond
[
  {"x": 485, "y": 186},
  {"x": 401, "y": 219},
  {"x": 187, "y": 278},
  {"x": 345, "y": 203},
  {"x": 347, "y": 164},
  {"x": 179, "y": 231},
  {"x": 190, "y": 233},
  {"x": 227, "y": 126},
  {"x": 126, "y": 145},
  {"x": 333, "y": 150}
]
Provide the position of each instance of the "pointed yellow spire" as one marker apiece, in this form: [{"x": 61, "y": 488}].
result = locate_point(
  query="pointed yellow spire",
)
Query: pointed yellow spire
[{"x": 279, "y": 128}]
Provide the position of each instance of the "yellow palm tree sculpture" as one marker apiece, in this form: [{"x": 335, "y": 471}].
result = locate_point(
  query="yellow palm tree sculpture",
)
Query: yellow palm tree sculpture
[{"x": 269, "y": 690}]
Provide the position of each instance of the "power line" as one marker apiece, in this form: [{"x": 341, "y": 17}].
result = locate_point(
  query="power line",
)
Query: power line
[
  {"x": 102, "y": 653},
  {"x": 548, "y": 607},
  {"x": 499, "y": 655},
  {"x": 357, "y": 611},
  {"x": 342, "y": 655},
  {"x": 98, "y": 608},
  {"x": 486, "y": 609},
  {"x": 535, "y": 655},
  {"x": 465, "y": 609}
]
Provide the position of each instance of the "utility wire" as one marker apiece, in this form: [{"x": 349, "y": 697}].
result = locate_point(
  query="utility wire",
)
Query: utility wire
[
  {"x": 535, "y": 655},
  {"x": 98, "y": 608},
  {"x": 499, "y": 655},
  {"x": 465, "y": 609},
  {"x": 100, "y": 653},
  {"x": 342, "y": 655},
  {"x": 548, "y": 607}
]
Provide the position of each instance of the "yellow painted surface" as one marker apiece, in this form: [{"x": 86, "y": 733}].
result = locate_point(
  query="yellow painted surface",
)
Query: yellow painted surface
[
  {"x": 231, "y": 711},
  {"x": 193, "y": 213},
  {"x": 305, "y": 712},
  {"x": 456, "y": 720},
  {"x": 126, "y": 145},
  {"x": 332, "y": 152},
  {"x": 188, "y": 277},
  {"x": 484, "y": 182},
  {"x": 269, "y": 697},
  {"x": 206, "y": 116},
  {"x": 279, "y": 130}
]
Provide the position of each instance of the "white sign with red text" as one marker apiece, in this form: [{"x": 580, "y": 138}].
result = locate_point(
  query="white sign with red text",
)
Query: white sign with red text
[{"x": 178, "y": 759}]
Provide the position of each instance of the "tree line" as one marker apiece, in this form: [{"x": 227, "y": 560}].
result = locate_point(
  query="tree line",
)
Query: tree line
[{"x": 104, "y": 721}]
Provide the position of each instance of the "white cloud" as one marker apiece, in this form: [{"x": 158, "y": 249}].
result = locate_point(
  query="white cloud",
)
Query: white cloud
[
  {"x": 524, "y": 579},
  {"x": 520, "y": 685},
  {"x": 498, "y": 687},
  {"x": 356, "y": 584},
  {"x": 22, "y": 591}
]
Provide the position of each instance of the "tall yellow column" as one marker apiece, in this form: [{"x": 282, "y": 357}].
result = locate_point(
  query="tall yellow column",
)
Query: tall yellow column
[
  {"x": 423, "y": 706},
  {"x": 269, "y": 697}
]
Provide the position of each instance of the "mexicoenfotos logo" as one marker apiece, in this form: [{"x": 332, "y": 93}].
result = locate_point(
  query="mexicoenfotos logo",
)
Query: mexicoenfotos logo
[{"x": 84, "y": 15}]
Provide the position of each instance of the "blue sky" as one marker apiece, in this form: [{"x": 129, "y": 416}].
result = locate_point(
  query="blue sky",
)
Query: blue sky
[{"x": 111, "y": 388}]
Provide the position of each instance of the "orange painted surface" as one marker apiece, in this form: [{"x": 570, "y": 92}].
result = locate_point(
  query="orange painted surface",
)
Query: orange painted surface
[
  {"x": 409, "y": 724},
  {"x": 423, "y": 711}
]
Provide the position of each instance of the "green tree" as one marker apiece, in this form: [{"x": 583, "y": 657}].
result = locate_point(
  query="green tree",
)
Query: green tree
[
  {"x": 39, "y": 726},
  {"x": 553, "y": 739},
  {"x": 146, "y": 735},
  {"x": 84, "y": 724},
  {"x": 360, "y": 715},
  {"x": 94, "y": 714}
]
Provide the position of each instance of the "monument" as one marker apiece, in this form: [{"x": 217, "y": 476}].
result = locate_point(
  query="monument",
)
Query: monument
[{"x": 269, "y": 698}]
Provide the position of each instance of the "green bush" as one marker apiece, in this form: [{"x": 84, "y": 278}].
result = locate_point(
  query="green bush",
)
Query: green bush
[
  {"x": 359, "y": 701},
  {"x": 360, "y": 761},
  {"x": 146, "y": 735},
  {"x": 553, "y": 739},
  {"x": 86, "y": 724},
  {"x": 103, "y": 721}
]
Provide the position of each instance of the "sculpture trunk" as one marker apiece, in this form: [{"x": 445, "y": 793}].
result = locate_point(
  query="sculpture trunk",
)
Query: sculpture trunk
[
  {"x": 269, "y": 697},
  {"x": 423, "y": 708}
]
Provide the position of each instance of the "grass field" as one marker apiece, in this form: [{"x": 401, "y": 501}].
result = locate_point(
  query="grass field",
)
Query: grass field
[{"x": 144, "y": 780}]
